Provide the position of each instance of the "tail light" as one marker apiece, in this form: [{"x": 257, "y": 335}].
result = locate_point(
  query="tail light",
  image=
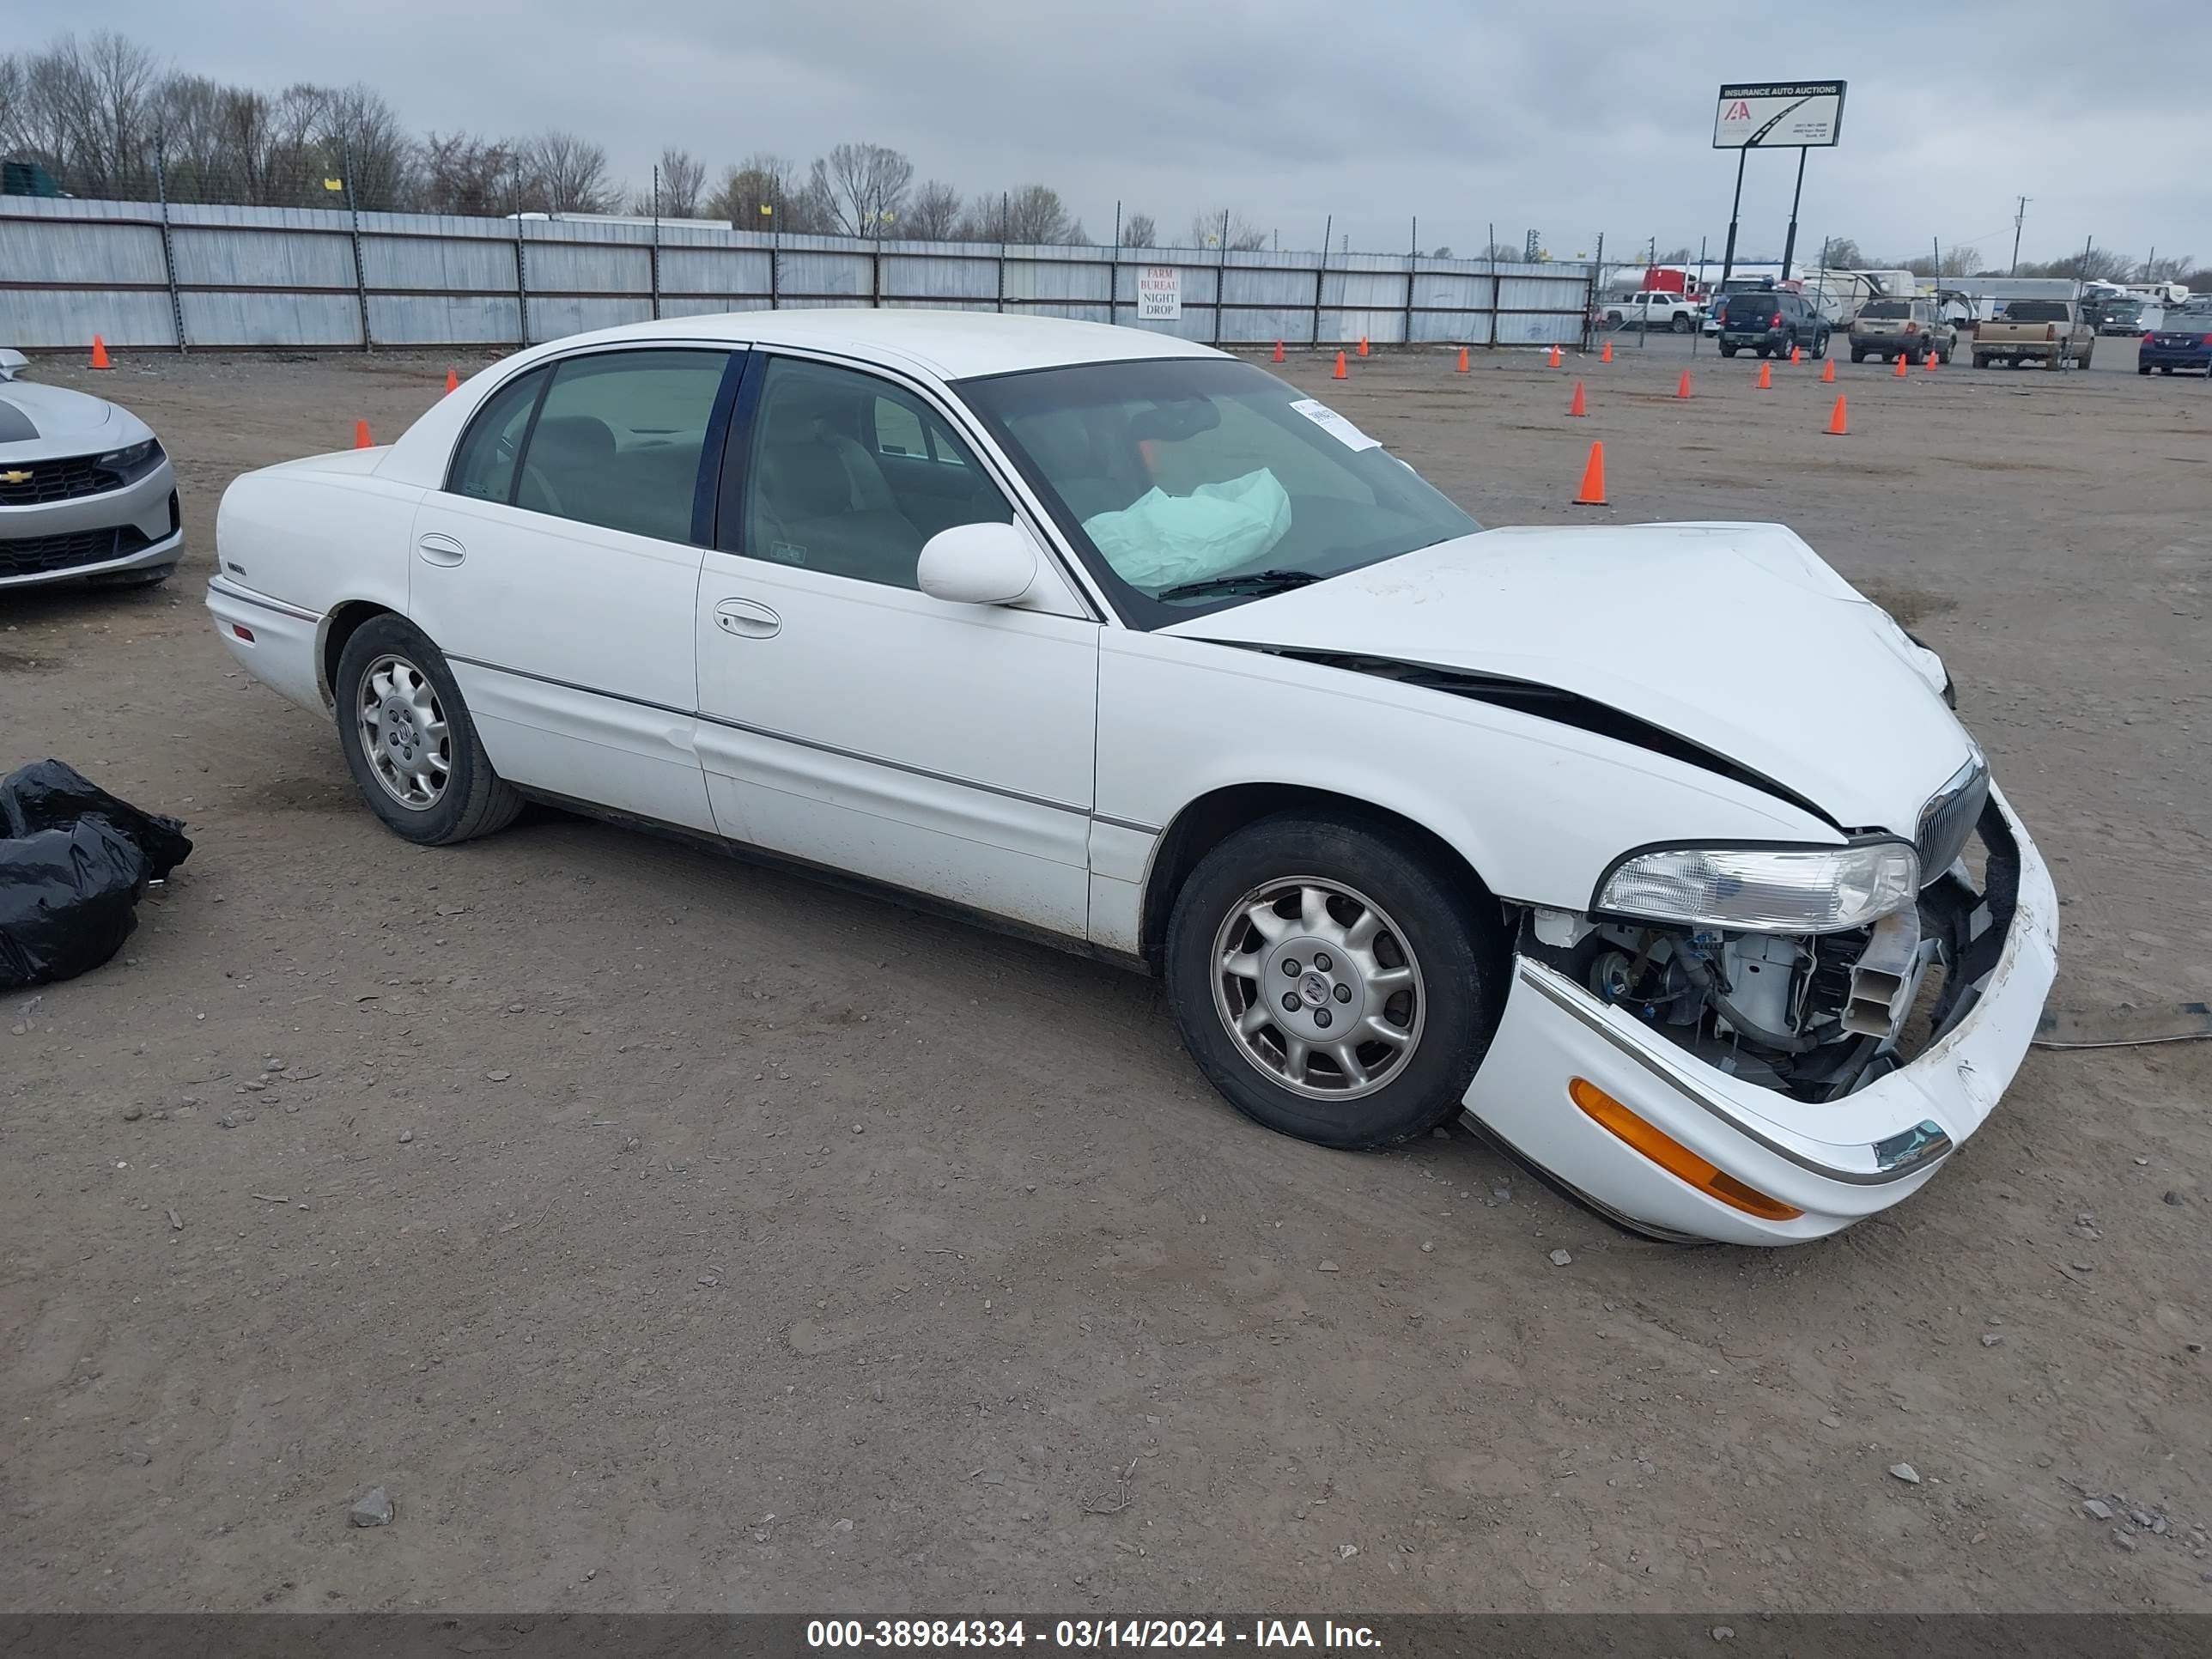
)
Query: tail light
[
  {"x": 2207, "y": 339},
  {"x": 1912, "y": 328},
  {"x": 2051, "y": 330},
  {"x": 1775, "y": 321}
]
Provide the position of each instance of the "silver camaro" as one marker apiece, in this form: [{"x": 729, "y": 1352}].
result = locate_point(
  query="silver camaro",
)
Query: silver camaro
[{"x": 85, "y": 488}]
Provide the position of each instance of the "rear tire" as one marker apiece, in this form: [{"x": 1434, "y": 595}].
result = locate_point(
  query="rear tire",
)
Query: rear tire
[
  {"x": 1727, "y": 351},
  {"x": 2142, "y": 368},
  {"x": 1381, "y": 937},
  {"x": 1682, "y": 324},
  {"x": 440, "y": 788},
  {"x": 1858, "y": 355},
  {"x": 1981, "y": 361}
]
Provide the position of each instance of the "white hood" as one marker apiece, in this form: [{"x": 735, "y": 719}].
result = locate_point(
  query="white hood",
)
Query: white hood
[{"x": 1736, "y": 636}]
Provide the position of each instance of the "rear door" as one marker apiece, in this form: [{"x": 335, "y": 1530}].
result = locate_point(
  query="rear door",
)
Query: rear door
[{"x": 558, "y": 571}]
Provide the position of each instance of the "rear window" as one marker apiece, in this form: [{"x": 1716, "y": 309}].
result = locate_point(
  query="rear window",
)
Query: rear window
[
  {"x": 1888, "y": 308},
  {"x": 2036, "y": 311}
]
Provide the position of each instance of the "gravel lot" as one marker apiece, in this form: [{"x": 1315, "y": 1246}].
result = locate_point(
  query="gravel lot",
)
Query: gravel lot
[{"x": 664, "y": 1233}]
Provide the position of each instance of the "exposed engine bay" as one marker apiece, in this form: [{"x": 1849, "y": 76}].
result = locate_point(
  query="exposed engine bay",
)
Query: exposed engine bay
[{"x": 1814, "y": 1016}]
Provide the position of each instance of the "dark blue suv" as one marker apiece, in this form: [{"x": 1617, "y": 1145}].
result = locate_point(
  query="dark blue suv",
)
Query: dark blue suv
[{"x": 2183, "y": 339}]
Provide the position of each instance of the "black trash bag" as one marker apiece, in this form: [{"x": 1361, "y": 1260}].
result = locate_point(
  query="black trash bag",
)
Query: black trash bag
[{"x": 73, "y": 862}]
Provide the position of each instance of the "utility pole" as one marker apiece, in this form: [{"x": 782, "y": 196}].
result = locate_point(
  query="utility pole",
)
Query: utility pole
[{"x": 2019, "y": 219}]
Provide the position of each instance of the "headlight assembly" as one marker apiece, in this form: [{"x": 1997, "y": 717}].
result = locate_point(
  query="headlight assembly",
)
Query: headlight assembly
[
  {"x": 1763, "y": 889},
  {"x": 131, "y": 460}
]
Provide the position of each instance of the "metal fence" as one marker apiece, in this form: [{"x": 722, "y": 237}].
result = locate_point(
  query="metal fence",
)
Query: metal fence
[{"x": 187, "y": 275}]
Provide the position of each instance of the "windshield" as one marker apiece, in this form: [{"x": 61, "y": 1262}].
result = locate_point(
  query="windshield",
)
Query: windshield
[
  {"x": 1888, "y": 309},
  {"x": 2036, "y": 311},
  {"x": 1171, "y": 475}
]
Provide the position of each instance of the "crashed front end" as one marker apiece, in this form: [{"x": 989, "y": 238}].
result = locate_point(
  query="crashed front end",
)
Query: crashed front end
[{"x": 1723, "y": 1047}]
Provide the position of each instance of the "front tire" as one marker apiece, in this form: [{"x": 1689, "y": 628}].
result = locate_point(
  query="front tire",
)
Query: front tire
[
  {"x": 1682, "y": 324},
  {"x": 408, "y": 742},
  {"x": 1394, "y": 969}
]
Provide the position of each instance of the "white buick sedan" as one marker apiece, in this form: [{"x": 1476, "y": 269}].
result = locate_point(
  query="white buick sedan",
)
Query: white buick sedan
[{"x": 1122, "y": 642}]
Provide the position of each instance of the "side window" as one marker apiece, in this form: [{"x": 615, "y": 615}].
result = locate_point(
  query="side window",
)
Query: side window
[
  {"x": 483, "y": 464},
  {"x": 618, "y": 441},
  {"x": 850, "y": 475}
]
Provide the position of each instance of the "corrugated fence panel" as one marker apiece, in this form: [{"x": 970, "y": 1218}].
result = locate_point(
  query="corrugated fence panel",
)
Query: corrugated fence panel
[
  {"x": 398, "y": 319},
  {"x": 816, "y": 275},
  {"x": 585, "y": 268},
  {"x": 45, "y": 319},
  {"x": 285, "y": 277},
  {"x": 64, "y": 252},
  {"x": 723, "y": 271},
  {"x": 911, "y": 277},
  {"x": 271, "y": 318},
  {"x": 261, "y": 259},
  {"x": 551, "y": 318},
  {"x": 442, "y": 264}
]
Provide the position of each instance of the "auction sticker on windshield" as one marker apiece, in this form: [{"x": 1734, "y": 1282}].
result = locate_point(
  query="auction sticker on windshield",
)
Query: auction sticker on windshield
[{"x": 1335, "y": 424}]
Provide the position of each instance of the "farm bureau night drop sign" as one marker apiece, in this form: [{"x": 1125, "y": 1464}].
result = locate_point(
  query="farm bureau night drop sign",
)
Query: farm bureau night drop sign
[{"x": 1159, "y": 294}]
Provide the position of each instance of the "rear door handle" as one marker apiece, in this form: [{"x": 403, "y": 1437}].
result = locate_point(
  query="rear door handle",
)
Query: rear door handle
[
  {"x": 748, "y": 619},
  {"x": 441, "y": 549}
]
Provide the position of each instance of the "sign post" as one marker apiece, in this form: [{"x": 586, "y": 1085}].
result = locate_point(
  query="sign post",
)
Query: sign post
[{"x": 1798, "y": 115}]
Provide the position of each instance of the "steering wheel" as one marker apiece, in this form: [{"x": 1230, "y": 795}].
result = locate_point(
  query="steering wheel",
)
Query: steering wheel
[{"x": 543, "y": 485}]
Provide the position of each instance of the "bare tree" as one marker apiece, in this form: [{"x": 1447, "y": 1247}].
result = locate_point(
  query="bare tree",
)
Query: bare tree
[
  {"x": 1441, "y": 252},
  {"x": 564, "y": 172},
  {"x": 766, "y": 193},
  {"x": 1243, "y": 236},
  {"x": 864, "y": 186},
  {"x": 934, "y": 216},
  {"x": 1842, "y": 254},
  {"x": 1139, "y": 231},
  {"x": 683, "y": 181},
  {"x": 1032, "y": 215},
  {"x": 1683, "y": 255},
  {"x": 462, "y": 173},
  {"x": 1502, "y": 253},
  {"x": 2171, "y": 268}
]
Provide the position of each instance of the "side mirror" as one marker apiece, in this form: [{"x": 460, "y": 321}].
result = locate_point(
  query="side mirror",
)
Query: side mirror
[
  {"x": 978, "y": 564},
  {"x": 10, "y": 361}
]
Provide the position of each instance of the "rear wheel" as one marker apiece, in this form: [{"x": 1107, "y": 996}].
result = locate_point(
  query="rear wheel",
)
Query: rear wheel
[
  {"x": 1333, "y": 982},
  {"x": 1858, "y": 356},
  {"x": 1683, "y": 323},
  {"x": 1727, "y": 351},
  {"x": 2142, "y": 368},
  {"x": 1981, "y": 360},
  {"x": 409, "y": 741}
]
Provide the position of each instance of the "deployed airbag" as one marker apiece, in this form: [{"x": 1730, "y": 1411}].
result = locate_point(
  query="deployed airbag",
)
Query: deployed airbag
[
  {"x": 1159, "y": 539},
  {"x": 74, "y": 860}
]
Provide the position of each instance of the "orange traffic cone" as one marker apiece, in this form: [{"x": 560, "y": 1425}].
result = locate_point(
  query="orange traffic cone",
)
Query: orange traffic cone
[
  {"x": 100, "y": 353},
  {"x": 453, "y": 382},
  {"x": 1766, "y": 376},
  {"x": 1901, "y": 370},
  {"x": 361, "y": 438},
  {"x": 1838, "y": 427},
  {"x": 1339, "y": 375},
  {"x": 1362, "y": 345},
  {"x": 1279, "y": 351},
  {"x": 1553, "y": 362},
  {"x": 1576, "y": 407},
  {"x": 1606, "y": 356},
  {"x": 1928, "y": 364},
  {"x": 1682, "y": 388},
  {"x": 1828, "y": 372},
  {"x": 1592, "y": 492},
  {"x": 1462, "y": 359},
  {"x": 1795, "y": 357}
]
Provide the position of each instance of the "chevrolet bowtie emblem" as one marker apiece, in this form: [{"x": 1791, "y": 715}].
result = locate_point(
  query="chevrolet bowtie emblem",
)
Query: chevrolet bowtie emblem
[{"x": 14, "y": 477}]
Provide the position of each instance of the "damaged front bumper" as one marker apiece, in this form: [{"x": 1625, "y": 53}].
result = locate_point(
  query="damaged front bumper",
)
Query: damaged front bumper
[{"x": 1832, "y": 1162}]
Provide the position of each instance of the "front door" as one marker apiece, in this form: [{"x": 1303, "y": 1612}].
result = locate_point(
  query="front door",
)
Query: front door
[
  {"x": 558, "y": 571},
  {"x": 849, "y": 719}
]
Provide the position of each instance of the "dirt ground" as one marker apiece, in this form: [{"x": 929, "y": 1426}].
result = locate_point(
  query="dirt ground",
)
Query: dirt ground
[{"x": 663, "y": 1233}]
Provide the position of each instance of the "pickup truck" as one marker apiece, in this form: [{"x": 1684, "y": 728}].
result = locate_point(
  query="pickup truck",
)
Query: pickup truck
[
  {"x": 1653, "y": 308},
  {"x": 2046, "y": 332}
]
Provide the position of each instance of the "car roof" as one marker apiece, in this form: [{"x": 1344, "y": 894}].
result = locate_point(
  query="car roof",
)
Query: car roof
[{"x": 952, "y": 345}]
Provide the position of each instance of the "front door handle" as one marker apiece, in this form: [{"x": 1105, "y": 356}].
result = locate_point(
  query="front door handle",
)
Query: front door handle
[
  {"x": 441, "y": 549},
  {"x": 748, "y": 619}
]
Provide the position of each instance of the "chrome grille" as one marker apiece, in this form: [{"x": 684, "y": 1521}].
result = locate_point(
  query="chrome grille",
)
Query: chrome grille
[{"x": 1949, "y": 819}]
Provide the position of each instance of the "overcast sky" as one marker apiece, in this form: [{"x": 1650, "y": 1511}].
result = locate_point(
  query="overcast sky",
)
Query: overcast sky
[{"x": 1567, "y": 118}]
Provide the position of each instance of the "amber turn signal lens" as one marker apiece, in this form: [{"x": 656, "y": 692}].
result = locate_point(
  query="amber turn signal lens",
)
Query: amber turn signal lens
[{"x": 1672, "y": 1156}]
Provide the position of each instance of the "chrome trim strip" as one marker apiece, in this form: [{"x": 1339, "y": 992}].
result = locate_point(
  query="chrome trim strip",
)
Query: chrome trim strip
[
  {"x": 1557, "y": 988},
  {"x": 1126, "y": 824},
  {"x": 780, "y": 737},
  {"x": 231, "y": 590}
]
